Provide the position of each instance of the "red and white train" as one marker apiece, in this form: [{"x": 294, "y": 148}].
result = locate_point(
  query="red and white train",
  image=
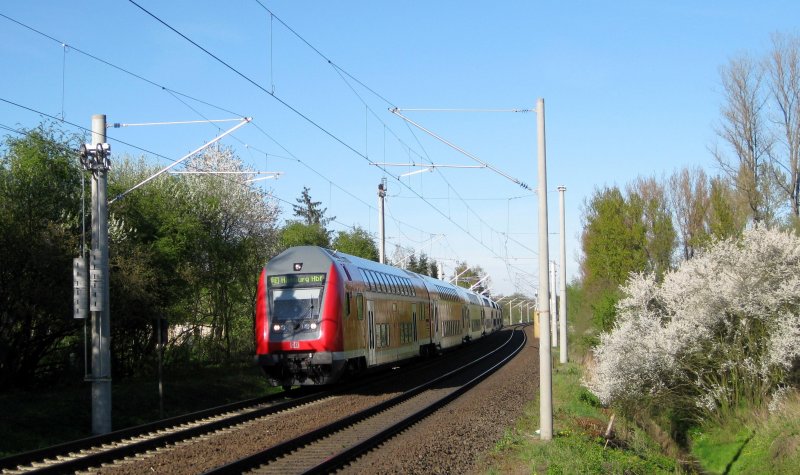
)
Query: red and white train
[{"x": 321, "y": 314}]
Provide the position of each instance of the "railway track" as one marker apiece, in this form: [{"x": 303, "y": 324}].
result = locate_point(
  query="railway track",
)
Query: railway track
[
  {"x": 136, "y": 442},
  {"x": 336, "y": 444},
  {"x": 97, "y": 450}
]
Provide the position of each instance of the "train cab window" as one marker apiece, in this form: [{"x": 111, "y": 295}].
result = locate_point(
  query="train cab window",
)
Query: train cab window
[
  {"x": 360, "y": 306},
  {"x": 295, "y": 303}
]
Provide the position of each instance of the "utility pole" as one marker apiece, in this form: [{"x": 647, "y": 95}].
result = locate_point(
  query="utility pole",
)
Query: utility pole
[
  {"x": 545, "y": 357},
  {"x": 381, "y": 221},
  {"x": 553, "y": 309},
  {"x": 94, "y": 157},
  {"x": 562, "y": 311}
]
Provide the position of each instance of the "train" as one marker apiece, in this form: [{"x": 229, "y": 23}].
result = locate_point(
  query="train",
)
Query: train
[{"x": 322, "y": 315}]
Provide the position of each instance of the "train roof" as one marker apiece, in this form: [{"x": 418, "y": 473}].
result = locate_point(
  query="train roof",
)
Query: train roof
[{"x": 320, "y": 258}]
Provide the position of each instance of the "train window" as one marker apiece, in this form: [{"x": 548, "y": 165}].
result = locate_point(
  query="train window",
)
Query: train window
[
  {"x": 382, "y": 335},
  {"x": 360, "y": 306},
  {"x": 347, "y": 303}
]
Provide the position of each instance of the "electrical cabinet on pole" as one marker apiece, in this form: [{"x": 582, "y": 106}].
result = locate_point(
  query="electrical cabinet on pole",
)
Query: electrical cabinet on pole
[{"x": 95, "y": 158}]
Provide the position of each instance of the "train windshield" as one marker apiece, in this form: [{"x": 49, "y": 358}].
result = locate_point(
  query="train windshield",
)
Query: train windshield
[{"x": 296, "y": 304}]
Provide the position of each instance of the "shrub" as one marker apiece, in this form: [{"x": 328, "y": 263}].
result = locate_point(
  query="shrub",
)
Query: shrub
[{"x": 722, "y": 329}]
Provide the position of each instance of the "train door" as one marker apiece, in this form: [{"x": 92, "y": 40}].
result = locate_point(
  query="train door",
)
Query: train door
[
  {"x": 371, "y": 333},
  {"x": 414, "y": 321},
  {"x": 436, "y": 321}
]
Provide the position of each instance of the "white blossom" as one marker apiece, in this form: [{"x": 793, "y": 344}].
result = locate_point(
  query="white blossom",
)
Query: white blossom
[{"x": 727, "y": 318}]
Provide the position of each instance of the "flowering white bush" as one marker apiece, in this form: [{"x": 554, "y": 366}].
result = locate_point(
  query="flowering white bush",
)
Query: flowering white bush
[{"x": 722, "y": 327}]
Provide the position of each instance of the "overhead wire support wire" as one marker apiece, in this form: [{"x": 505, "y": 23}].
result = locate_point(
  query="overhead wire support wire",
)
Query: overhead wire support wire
[
  {"x": 177, "y": 95},
  {"x": 216, "y": 139},
  {"x": 119, "y": 68},
  {"x": 117, "y": 125},
  {"x": 395, "y": 111},
  {"x": 342, "y": 73},
  {"x": 465, "y": 110},
  {"x": 304, "y": 116}
]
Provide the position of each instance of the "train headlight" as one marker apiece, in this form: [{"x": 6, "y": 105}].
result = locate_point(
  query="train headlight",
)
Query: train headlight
[
  {"x": 313, "y": 326},
  {"x": 277, "y": 327},
  {"x": 306, "y": 326}
]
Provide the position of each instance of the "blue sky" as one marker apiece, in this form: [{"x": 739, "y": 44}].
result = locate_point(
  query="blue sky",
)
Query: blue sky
[{"x": 631, "y": 88}]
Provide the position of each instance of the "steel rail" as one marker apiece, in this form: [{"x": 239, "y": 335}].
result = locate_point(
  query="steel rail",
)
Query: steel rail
[
  {"x": 28, "y": 462},
  {"x": 283, "y": 448},
  {"x": 53, "y": 459}
]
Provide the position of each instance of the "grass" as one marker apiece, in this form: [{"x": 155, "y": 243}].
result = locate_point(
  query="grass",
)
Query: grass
[
  {"x": 44, "y": 417},
  {"x": 578, "y": 445},
  {"x": 753, "y": 441}
]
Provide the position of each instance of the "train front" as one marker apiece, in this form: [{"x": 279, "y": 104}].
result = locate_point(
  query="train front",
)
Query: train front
[{"x": 298, "y": 318}]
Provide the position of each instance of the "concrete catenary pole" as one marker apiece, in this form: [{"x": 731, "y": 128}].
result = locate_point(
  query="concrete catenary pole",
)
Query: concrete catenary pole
[
  {"x": 562, "y": 311},
  {"x": 545, "y": 359},
  {"x": 99, "y": 277},
  {"x": 381, "y": 222},
  {"x": 510, "y": 312},
  {"x": 553, "y": 309}
]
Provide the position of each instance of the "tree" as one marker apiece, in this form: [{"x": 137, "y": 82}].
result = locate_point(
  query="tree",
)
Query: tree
[
  {"x": 649, "y": 198},
  {"x": 40, "y": 186},
  {"x": 783, "y": 69},
  {"x": 690, "y": 201},
  {"x": 196, "y": 244},
  {"x": 296, "y": 233},
  {"x": 614, "y": 245},
  {"x": 725, "y": 219},
  {"x": 357, "y": 242},
  {"x": 613, "y": 240},
  {"x": 433, "y": 270},
  {"x": 309, "y": 211},
  {"x": 745, "y": 131},
  {"x": 469, "y": 275}
]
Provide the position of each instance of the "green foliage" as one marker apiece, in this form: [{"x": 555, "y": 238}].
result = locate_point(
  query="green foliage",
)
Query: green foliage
[
  {"x": 718, "y": 447},
  {"x": 613, "y": 240},
  {"x": 605, "y": 310},
  {"x": 577, "y": 446},
  {"x": 422, "y": 265},
  {"x": 357, "y": 242},
  {"x": 40, "y": 184},
  {"x": 469, "y": 275},
  {"x": 295, "y": 233},
  {"x": 309, "y": 210},
  {"x": 725, "y": 221},
  {"x": 751, "y": 440},
  {"x": 187, "y": 249}
]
